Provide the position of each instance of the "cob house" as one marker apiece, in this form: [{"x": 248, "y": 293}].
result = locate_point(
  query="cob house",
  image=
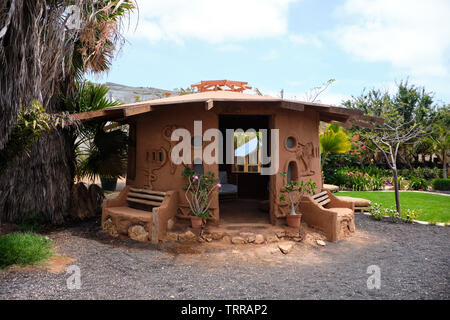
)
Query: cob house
[{"x": 154, "y": 185}]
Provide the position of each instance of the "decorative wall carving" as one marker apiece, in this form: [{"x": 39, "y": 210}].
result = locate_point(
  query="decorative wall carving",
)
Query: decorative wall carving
[
  {"x": 167, "y": 134},
  {"x": 305, "y": 153},
  {"x": 156, "y": 159}
]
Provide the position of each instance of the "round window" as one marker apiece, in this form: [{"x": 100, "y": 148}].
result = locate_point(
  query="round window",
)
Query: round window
[{"x": 290, "y": 142}]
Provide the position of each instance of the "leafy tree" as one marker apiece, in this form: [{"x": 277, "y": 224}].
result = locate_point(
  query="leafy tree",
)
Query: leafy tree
[
  {"x": 405, "y": 114},
  {"x": 440, "y": 137},
  {"x": 412, "y": 104}
]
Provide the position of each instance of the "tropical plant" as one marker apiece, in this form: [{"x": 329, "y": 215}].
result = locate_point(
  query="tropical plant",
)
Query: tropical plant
[
  {"x": 42, "y": 52},
  {"x": 333, "y": 140},
  {"x": 32, "y": 122},
  {"x": 295, "y": 191},
  {"x": 199, "y": 191},
  {"x": 105, "y": 155},
  {"x": 416, "y": 183},
  {"x": 100, "y": 151}
]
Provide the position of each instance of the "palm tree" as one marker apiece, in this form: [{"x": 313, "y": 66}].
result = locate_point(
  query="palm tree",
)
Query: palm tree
[
  {"x": 100, "y": 149},
  {"x": 333, "y": 140},
  {"x": 40, "y": 58},
  {"x": 442, "y": 147}
]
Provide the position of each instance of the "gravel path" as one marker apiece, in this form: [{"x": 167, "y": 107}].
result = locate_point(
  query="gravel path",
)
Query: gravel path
[{"x": 413, "y": 259}]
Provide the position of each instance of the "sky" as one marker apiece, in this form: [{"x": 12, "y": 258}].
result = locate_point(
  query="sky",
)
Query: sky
[{"x": 293, "y": 45}]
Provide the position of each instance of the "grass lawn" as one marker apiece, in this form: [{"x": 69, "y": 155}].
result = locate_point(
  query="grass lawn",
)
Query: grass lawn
[{"x": 434, "y": 207}]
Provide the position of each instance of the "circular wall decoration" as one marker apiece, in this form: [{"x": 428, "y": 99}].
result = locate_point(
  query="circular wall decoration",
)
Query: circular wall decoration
[{"x": 291, "y": 143}]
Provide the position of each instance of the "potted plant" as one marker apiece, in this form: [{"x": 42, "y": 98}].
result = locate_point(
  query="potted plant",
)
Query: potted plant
[
  {"x": 200, "y": 191},
  {"x": 295, "y": 190}
]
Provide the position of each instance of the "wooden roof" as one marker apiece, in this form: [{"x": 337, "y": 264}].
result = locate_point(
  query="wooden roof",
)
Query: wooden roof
[
  {"x": 328, "y": 113},
  {"x": 221, "y": 85}
]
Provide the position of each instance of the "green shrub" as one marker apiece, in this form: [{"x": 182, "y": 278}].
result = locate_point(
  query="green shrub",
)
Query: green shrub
[
  {"x": 423, "y": 173},
  {"x": 357, "y": 180},
  {"x": 411, "y": 214},
  {"x": 441, "y": 184},
  {"x": 376, "y": 211},
  {"x": 32, "y": 222},
  {"x": 24, "y": 249},
  {"x": 416, "y": 183}
]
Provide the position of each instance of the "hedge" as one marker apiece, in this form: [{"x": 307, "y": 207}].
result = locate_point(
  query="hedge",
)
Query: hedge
[{"x": 441, "y": 184}]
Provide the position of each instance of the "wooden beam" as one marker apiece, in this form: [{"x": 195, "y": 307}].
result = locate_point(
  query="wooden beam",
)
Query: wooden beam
[
  {"x": 209, "y": 104},
  {"x": 128, "y": 112},
  {"x": 91, "y": 115},
  {"x": 292, "y": 106},
  {"x": 329, "y": 117},
  {"x": 362, "y": 124},
  {"x": 345, "y": 124},
  {"x": 370, "y": 119}
]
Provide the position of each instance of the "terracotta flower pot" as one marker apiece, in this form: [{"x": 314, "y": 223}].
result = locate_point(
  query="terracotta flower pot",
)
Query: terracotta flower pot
[
  {"x": 293, "y": 220},
  {"x": 196, "y": 222}
]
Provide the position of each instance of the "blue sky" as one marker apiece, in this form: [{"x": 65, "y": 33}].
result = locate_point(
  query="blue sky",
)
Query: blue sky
[{"x": 288, "y": 44}]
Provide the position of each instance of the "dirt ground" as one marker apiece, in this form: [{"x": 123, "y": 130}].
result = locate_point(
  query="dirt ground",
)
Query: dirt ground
[{"x": 413, "y": 262}]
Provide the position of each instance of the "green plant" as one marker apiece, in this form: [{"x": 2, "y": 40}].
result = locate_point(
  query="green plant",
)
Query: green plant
[
  {"x": 199, "y": 191},
  {"x": 24, "y": 249},
  {"x": 32, "y": 122},
  {"x": 105, "y": 155},
  {"x": 441, "y": 184},
  {"x": 418, "y": 183},
  {"x": 296, "y": 190},
  {"x": 100, "y": 148},
  {"x": 32, "y": 222},
  {"x": 333, "y": 140},
  {"x": 411, "y": 214},
  {"x": 378, "y": 212}
]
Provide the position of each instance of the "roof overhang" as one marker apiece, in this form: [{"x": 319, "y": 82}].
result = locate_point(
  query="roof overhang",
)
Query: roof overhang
[{"x": 327, "y": 113}]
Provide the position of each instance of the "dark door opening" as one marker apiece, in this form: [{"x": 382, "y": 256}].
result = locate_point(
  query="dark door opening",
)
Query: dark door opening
[{"x": 244, "y": 196}]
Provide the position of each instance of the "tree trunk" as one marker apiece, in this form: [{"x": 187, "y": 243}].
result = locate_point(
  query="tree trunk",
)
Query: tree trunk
[
  {"x": 397, "y": 195},
  {"x": 41, "y": 182},
  {"x": 444, "y": 164}
]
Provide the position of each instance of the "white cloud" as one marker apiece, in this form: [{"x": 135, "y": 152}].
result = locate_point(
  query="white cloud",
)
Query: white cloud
[
  {"x": 210, "y": 20},
  {"x": 411, "y": 35}
]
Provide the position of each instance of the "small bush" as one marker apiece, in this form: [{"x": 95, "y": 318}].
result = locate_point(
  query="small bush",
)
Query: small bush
[
  {"x": 24, "y": 249},
  {"x": 376, "y": 211},
  {"x": 441, "y": 184},
  {"x": 424, "y": 173},
  {"x": 32, "y": 222},
  {"x": 416, "y": 183},
  {"x": 409, "y": 214}
]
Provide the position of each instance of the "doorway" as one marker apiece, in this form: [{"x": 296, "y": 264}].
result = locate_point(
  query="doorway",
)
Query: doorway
[{"x": 244, "y": 196}]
